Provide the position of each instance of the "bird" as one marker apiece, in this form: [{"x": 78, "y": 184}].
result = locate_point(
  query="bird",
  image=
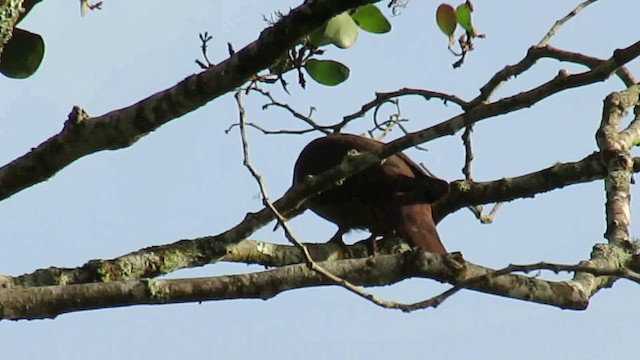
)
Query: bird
[{"x": 393, "y": 197}]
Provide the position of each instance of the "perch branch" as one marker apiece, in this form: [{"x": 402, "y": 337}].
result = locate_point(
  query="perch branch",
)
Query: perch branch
[{"x": 50, "y": 301}]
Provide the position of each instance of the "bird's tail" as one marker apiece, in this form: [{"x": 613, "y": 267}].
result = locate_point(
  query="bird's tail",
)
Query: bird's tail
[{"x": 416, "y": 225}]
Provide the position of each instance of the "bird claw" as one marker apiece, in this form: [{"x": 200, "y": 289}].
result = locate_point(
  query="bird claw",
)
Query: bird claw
[
  {"x": 337, "y": 240},
  {"x": 372, "y": 246}
]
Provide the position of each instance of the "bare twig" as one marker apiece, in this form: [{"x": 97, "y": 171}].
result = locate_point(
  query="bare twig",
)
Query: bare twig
[
  {"x": 387, "y": 126},
  {"x": 383, "y": 97},
  {"x": 623, "y": 273},
  {"x": 394, "y": 120},
  {"x": 477, "y": 211},
  {"x": 269, "y": 132},
  {"x": 545, "y": 39},
  {"x": 397, "y": 5},
  {"x": 468, "y": 152},
  {"x": 466, "y": 171},
  {"x": 204, "y": 44},
  {"x": 488, "y": 218},
  {"x": 298, "y": 115}
]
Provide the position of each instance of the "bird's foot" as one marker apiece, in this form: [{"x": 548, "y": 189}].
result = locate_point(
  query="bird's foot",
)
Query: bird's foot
[
  {"x": 372, "y": 246},
  {"x": 337, "y": 240}
]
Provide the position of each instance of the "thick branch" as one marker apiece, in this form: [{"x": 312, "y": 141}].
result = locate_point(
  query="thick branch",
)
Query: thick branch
[
  {"x": 123, "y": 127},
  {"x": 50, "y": 301},
  {"x": 617, "y": 159},
  {"x": 468, "y": 193}
]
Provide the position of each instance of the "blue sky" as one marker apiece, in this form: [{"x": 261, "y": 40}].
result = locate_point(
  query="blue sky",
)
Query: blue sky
[{"x": 187, "y": 180}]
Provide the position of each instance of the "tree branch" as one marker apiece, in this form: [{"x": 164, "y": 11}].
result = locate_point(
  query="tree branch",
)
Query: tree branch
[
  {"x": 545, "y": 39},
  {"x": 123, "y": 127},
  {"x": 50, "y": 301},
  {"x": 470, "y": 193},
  {"x": 616, "y": 157}
]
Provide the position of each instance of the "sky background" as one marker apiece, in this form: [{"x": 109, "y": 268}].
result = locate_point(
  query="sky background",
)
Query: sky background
[{"x": 187, "y": 180}]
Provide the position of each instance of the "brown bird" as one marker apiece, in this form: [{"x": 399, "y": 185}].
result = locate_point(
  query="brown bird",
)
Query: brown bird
[{"x": 395, "y": 196}]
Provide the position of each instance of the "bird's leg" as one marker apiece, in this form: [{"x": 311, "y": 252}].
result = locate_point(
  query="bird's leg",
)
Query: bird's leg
[
  {"x": 337, "y": 239},
  {"x": 372, "y": 247}
]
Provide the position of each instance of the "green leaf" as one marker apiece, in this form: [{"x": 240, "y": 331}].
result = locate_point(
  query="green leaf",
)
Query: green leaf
[
  {"x": 369, "y": 18},
  {"x": 463, "y": 16},
  {"x": 341, "y": 30},
  {"x": 327, "y": 72},
  {"x": 446, "y": 19},
  {"x": 22, "y": 55}
]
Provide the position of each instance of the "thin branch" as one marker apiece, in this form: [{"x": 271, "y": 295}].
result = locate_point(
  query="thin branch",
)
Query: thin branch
[
  {"x": 468, "y": 152},
  {"x": 545, "y": 39},
  {"x": 536, "y": 53},
  {"x": 623, "y": 273},
  {"x": 270, "y": 132},
  {"x": 394, "y": 120},
  {"x": 477, "y": 211},
  {"x": 382, "y": 97},
  {"x": 204, "y": 45},
  {"x": 298, "y": 115},
  {"x": 470, "y": 193},
  {"x": 589, "y": 61}
]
